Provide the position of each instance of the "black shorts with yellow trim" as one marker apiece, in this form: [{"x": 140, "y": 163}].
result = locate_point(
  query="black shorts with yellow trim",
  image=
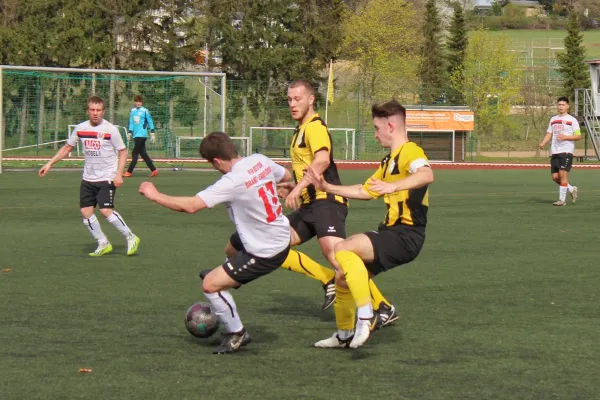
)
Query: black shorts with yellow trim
[
  {"x": 320, "y": 218},
  {"x": 394, "y": 246},
  {"x": 244, "y": 267}
]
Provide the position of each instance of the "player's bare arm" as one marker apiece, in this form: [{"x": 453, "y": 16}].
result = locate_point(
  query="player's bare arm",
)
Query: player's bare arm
[
  {"x": 546, "y": 139},
  {"x": 352, "y": 192},
  {"x": 121, "y": 166},
  {"x": 60, "y": 154},
  {"x": 423, "y": 176},
  {"x": 187, "y": 204},
  {"x": 320, "y": 164}
]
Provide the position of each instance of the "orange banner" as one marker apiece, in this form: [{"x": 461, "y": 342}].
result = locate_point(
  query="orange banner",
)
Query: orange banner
[{"x": 440, "y": 120}]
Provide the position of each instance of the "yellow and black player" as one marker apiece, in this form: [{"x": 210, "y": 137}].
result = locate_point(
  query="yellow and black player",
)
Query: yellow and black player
[{"x": 402, "y": 178}]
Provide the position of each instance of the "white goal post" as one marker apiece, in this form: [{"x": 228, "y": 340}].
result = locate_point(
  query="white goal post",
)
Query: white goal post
[
  {"x": 188, "y": 146},
  {"x": 348, "y": 152},
  {"x": 104, "y": 82}
]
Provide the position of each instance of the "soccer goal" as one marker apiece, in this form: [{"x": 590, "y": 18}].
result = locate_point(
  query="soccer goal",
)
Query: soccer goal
[
  {"x": 275, "y": 141},
  {"x": 188, "y": 146},
  {"x": 37, "y": 103}
]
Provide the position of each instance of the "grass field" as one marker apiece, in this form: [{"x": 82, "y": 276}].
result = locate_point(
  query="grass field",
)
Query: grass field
[
  {"x": 502, "y": 303},
  {"x": 591, "y": 39}
]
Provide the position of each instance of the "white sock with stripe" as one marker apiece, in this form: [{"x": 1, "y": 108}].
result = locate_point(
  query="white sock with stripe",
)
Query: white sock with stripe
[
  {"x": 225, "y": 309},
  {"x": 117, "y": 221},
  {"x": 94, "y": 227}
]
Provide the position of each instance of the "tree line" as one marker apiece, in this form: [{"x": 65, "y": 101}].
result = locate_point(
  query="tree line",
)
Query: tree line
[{"x": 381, "y": 48}]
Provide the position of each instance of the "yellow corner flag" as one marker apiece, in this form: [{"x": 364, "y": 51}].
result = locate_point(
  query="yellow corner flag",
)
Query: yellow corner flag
[{"x": 330, "y": 84}]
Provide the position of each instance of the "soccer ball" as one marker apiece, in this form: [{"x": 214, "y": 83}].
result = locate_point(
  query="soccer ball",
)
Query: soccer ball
[{"x": 200, "y": 320}]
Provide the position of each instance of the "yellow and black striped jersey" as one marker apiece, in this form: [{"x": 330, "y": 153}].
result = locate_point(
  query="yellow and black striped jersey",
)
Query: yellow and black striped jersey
[
  {"x": 408, "y": 207},
  {"x": 309, "y": 138}
]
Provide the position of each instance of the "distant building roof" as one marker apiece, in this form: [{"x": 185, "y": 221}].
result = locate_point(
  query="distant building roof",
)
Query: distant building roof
[
  {"x": 483, "y": 4},
  {"x": 524, "y": 3},
  {"x": 593, "y": 61}
]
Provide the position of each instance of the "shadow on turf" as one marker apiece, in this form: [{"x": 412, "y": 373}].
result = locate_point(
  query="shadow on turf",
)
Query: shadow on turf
[
  {"x": 298, "y": 306},
  {"x": 259, "y": 333},
  {"x": 540, "y": 201}
]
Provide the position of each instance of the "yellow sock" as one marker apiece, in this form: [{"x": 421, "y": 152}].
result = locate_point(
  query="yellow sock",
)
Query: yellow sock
[
  {"x": 345, "y": 309},
  {"x": 357, "y": 276},
  {"x": 300, "y": 262},
  {"x": 376, "y": 296}
]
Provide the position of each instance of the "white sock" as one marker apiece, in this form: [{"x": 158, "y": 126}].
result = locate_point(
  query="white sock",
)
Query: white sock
[
  {"x": 343, "y": 335},
  {"x": 94, "y": 227},
  {"x": 562, "y": 193},
  {"x": 117, "y": 221},
  {"x": 224, "y": 307},
  {"x": 365, "y": 312},
  {"x": 569, "y": 188}
]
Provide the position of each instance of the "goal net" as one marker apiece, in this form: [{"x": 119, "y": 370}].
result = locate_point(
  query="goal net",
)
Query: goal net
[
  {"x": 187, "y": 147},
  {"x": 39, "y": 103},
  {"x": 275, "y": 141}
]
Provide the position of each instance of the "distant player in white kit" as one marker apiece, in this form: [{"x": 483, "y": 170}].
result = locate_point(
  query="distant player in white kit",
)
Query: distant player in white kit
[
  {"x": 105, "y": 157},
  {"x": 564, "y": 131},
  {"x": 248, "y": 189}
]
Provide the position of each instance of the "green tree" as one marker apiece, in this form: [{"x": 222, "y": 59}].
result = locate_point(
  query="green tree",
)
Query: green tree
[
  {"x": 496, "y": 8},
  {"x": 432, "y": 71},
  {"x": 489, "y": 80},
  {"x": 457, "y": 47},
  {"x": 571, "y": 62},
  {"x": 382, "y": 44},
  {"x": 268, "y": 43}
]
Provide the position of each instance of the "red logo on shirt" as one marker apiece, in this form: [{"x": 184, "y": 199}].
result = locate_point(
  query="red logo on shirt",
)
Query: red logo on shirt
[{"x": 91, "y": 144}]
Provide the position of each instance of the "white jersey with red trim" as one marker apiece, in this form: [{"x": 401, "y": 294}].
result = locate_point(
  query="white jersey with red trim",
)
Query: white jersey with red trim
[
  {"x": 567, "y": 125},
  {"x": 100, "y": 144},
  {"x": 250, "y": 194}
]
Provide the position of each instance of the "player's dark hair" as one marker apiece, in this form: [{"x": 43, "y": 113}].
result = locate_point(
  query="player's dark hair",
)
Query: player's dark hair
[
  {"x": 138, "y": 97},
  {"x": 563, "y": 98},
  {"x": 96, "y": 100},
  {"x": 218, "y": 145},
  {"x": 388, "y": 109},
  {"x": 305, "y": 84}
]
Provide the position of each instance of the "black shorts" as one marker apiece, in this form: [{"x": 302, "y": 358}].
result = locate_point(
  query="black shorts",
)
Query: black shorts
[
  {"x": 243, "y": 267},
  {"x": 394, "y": 246},
  {"x": 321, "y": 218},
  {"x": 97, "y": 193},
  {"x": 561, "y": 161}
]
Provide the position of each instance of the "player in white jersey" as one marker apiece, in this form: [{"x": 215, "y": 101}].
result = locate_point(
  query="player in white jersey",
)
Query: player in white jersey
[
  {"x": 563, "y": 130},
  {"x": 248, "y": 190},
  {"x": 105, "y": 157}
]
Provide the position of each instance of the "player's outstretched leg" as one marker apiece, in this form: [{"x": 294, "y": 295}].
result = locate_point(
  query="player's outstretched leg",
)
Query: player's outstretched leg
[{"x": 303, "y": 264}]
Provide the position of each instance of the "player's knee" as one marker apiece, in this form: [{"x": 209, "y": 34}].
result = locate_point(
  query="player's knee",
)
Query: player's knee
[
  {"x": 208, "y": 285},
  {"x": 106, "y": 212},
  {"x": 87, "y": 212}
]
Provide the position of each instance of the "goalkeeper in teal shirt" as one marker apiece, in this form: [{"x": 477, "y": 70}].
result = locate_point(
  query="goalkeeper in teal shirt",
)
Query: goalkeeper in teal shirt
[{"x": 139, "y": 122}]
